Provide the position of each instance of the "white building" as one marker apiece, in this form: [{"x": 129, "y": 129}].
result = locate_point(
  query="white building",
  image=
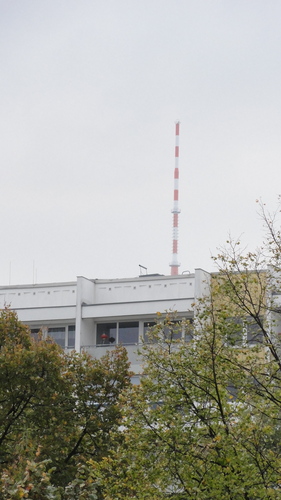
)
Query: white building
[{"x": 94, "y": 314}]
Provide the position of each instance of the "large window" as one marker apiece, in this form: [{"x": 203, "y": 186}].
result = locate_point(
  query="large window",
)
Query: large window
[
  {"x": 62, "y": 335},
  {"x": 128, "y": 332},
  {"x": 133, "y": 332},
  {"x": 147, "y": 336},
  {"x": 58, "y": 334},
  {"x": 35, "y": 333},
  {"x": 235, "y": 331},
  {"x": 189, "y": 330},
  {"x": 254, "y": 333},
  {"x": 123, "y": 332},
  {"x": 243, "y": 332},
  {"x": 107, "y": 333},
  {"x": 174, "y": 330}
]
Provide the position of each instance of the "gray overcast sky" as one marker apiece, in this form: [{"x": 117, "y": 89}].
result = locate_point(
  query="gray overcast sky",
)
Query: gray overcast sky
[{"x": 89, "y": 94}]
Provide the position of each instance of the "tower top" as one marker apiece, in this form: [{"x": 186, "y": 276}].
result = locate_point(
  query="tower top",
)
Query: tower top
[{"x": 175, "y": 210}]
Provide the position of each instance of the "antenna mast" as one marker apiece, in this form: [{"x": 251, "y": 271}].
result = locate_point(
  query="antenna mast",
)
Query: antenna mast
[{"x": 175, "y": 211}]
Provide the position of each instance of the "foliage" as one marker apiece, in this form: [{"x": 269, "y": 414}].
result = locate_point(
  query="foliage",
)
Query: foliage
[
  {"x": 205, "y": 421},
  {"x": 29, "y": 480},
  {"x": 56, "y": 412}
]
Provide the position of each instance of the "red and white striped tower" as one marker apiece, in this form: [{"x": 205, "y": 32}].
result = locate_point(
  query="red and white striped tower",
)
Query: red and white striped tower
[{"x": 175, "y": 211}]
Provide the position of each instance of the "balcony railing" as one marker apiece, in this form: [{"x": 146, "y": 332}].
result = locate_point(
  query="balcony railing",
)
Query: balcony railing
[{"x": 97, "y": 351}]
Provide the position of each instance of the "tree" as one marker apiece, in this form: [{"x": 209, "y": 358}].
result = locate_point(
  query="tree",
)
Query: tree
[
  {"x": 56, "y": 411},
  {"x": 205, "y": 421}
]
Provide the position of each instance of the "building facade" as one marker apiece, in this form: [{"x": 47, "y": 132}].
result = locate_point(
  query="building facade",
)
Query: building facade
[{"x": 95, "y": 315}]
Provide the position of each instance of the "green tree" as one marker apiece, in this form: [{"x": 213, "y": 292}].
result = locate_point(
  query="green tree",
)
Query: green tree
[
  {"x": 56, "y": 410},
  {"x": 205, "y": 421}
]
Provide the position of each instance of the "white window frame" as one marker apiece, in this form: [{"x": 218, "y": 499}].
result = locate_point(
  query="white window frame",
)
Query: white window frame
[{"x": 45, "y": 332}]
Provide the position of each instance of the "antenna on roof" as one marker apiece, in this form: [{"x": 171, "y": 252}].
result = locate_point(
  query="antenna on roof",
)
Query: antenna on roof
[
  {"x": 142, "y": 267},
  {"x": 175, "y": 211}
]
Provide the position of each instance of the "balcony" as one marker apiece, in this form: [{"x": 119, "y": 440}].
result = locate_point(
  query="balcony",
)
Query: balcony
[{"x": 97, "y": 351}]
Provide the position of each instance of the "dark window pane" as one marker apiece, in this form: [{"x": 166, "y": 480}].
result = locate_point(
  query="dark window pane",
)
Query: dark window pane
[
  {"x": 254, "y": 333},
  {"x": 129, "y": 332},
  {"x": 173, "y": 330},
  {"x": 35, "y": 333},
  {"x": 58, "y": 334},
  {"x": 71, "y": 336},
  {"x": 106, "y": 333},
  {"x": 232, "y": 391},
  {"x": 188, "y": 330},
  {"x": 235, "y": 330},
  {"x": 147, "y": 337}
]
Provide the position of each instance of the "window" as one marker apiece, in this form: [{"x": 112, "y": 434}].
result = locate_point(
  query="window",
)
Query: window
[
  {"x": 58, "y": 334},
  {"x": 147, "y": 337},
  {"x": 128, "y": 333},
  {"x": 244, "y": 332},
  {"x": 124, "y": 332},
  {"x": 106, "y": 333},
  {"x": 189, "y": 330},
  {"x": 135, "y": 379},
  {"x": 173, "y": 330},
  {"x": 35, "y": 333},
  {"x": 133, "y": 332},
  {"x": 235, "y": 331},
  {"x": 71, "y": 336},
  {"x": 62, "y": 335},
  {"x": 254, "y": 333}
]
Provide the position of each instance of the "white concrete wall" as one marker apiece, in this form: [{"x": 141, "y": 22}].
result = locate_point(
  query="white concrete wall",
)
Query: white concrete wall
[
  {"x": 47, "y": 315},
  {"x": 87, "y": 333},
  {"x": 31, "y": 296},
  {"x": 202, "y": 284},
  {"x": 136, "y": 309},
  {"x": 85, "y": 290},
  {"x": 85, "y": 294},
  {"x": 144, "y": 289}
]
